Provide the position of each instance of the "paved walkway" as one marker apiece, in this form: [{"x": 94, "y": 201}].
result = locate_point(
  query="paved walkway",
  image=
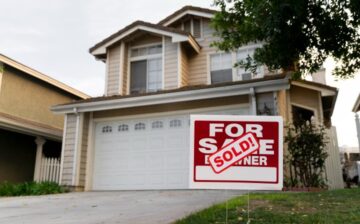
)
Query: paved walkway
[{"x": 109, "y": 207}]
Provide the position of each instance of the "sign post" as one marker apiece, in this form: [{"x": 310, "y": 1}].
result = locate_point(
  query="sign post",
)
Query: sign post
[{"x": 236, "y": 152}]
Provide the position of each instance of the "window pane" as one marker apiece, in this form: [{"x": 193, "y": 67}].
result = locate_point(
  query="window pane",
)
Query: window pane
[
  {"x": 154, "y": 74},
  {"x": 226, "y": 60},
  {"x": 155, "y": 49},
  {"x": 197, "y": 29},
  {"x": 221, "y": 76},
  {"x": 142, "y": 51},
  {"x": 138, "y": 76},
  {"x": 134, "y": 52},
  {"x": 187, "y": 26},
  {"x": 215, "y": 62}
]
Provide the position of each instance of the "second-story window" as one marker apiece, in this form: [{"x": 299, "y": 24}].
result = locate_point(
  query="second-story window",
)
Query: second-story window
[
  {"x": 146, "y": 69},
  {"x": 241, "y": 55},
  {"x": 221, "y": 67}
]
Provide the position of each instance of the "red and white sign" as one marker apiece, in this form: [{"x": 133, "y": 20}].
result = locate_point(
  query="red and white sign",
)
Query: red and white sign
[{"x": 236, "y": 152}]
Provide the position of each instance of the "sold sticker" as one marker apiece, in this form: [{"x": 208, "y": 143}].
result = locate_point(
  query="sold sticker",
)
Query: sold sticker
[
  {"x": 233, "y": 152},
  {"x": 236, "y": 152}
]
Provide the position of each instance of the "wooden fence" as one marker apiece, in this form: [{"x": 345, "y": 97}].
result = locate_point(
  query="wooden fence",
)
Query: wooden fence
[{"x": 50, "y": 169}]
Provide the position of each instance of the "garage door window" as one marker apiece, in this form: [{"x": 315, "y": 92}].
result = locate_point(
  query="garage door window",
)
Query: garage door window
[
  {"x": 139, "y": 126},
  {"x": 123, "y": 127},
  {"x": 107, "y": 129},
  {"x": 157, "y": 125},
  {"x": 175, "y": 123}
]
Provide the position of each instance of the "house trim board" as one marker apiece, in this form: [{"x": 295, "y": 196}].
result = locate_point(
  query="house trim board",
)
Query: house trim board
[
  {"x": 181, "y": 96},
  {"x": 63, "y": 149}
]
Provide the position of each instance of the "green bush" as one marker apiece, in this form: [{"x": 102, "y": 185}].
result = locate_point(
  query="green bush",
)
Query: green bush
[{"x": 30, "y": 188}]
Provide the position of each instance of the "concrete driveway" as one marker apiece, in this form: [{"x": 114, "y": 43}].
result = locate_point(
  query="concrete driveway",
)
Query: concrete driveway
[{"x": 109, "y": 207}]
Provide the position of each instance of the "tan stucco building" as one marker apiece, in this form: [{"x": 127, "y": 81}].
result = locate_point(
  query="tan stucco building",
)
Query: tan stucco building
[{"x": 29, "y": 131}]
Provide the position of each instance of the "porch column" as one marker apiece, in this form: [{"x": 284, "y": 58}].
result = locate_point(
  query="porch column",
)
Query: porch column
[
  {"x": 39, "y": 155},
  {"x": 252, "y": 101},
  {"x": 357, "y": 122}
]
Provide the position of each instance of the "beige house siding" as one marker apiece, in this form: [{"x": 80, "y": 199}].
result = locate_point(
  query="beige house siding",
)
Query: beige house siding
[
  {"x": 28, "y": 98},
  {"x": 308, "y": 98},
  {"x": 84, "y": 147},
  {"x": 198, "y": 63},
  {"x": 113, "y": 71},
  {"x": 125, "y": 70},
  {"x": 282, "y": 105},
  {"x": 170, "y": 64},
  {"x": 146, "y": 40},
  {"x": 184, "y": 66},
  {"x": 173, "y": 107},
  {"x": 69, "y": 149}
]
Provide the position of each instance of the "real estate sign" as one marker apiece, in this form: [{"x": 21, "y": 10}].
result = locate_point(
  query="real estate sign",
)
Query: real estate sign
[{"x": 236, "y": 152}]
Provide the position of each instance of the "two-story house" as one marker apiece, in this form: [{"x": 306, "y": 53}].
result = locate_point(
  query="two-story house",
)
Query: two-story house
[{"x": 137, "y": 135}]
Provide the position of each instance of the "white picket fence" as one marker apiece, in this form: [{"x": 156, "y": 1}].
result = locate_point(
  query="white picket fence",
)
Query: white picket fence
[{"x": 50, "y": 169}]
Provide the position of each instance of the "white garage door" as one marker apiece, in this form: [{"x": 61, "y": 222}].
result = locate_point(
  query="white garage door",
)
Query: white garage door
[{"x": 145, "y": 153}]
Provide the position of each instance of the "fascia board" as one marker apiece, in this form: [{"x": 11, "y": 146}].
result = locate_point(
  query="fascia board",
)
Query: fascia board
[
  {"x": 175, "y": 37},
  {"x": 216, "y": 92},
  {"x": 191, "y": 12}
]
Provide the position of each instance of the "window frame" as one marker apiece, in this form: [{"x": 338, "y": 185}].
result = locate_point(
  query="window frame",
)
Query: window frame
[
  {"x": 160, "y": 56},
  {"x": 234, "y": 60}
]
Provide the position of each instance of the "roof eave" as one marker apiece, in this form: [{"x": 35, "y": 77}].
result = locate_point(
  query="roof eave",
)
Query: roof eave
[
  {"x": 174, "y": 97},
  {"x": 42, "y": 77},
  {"x": 175, "y": 37}
]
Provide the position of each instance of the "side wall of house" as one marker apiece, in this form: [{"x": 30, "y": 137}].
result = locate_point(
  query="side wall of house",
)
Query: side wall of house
[
  {"x": 68, "y": 150},
  {"x": 74, "y": 150},
  {"x": 113, "y": 70},
  {"x": 184, "y": 67},
  {"x": 29, "y": 98},
  {"x": 170, "y": 64},
  {"x": 307, "y": 98}
]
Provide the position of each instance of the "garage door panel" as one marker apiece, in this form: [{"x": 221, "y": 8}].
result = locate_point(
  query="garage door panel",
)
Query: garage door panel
[{"x": 150, "y": 153}]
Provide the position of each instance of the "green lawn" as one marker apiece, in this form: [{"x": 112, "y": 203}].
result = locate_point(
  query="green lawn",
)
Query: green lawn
[{"x": 338, "y": 206}]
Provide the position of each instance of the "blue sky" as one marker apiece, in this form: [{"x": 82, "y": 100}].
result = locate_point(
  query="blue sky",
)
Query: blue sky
[{"x": 53, "y": 36}]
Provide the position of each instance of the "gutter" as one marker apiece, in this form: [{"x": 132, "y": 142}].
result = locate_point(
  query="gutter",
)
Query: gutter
[{"x": 174, "y": 97}]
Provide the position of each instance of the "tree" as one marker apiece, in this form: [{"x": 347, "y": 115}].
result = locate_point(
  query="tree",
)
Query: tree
[{"x": 295, "y": 35}]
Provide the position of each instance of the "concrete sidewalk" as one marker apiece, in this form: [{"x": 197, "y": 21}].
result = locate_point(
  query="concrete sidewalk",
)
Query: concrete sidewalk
[{"x": 109, "y": 207}]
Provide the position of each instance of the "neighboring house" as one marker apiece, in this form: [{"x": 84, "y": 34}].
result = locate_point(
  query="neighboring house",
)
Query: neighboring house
[
  {"x": 356, "y": 110},
  {"x": 137, "y": 135},
  {"x": 29, "y": 131}
]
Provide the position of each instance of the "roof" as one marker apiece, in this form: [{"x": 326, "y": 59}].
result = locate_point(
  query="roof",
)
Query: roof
[
  {"x": 184, "y": 10},
  {"x": 356, "y": 107},
  {"x": 38, "y": 75},
  {"x": 139, "y": 25},
  {"x": 324, "y": 89},
  {"x": 186, "y": 88}
]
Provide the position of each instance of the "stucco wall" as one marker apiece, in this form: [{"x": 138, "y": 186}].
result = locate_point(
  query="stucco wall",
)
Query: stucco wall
[
  {"x": 31, "y": 99},
  {"x": 308, "y": 98}
]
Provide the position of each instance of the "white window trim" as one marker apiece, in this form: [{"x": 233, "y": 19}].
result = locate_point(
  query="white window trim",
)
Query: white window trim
[
  {"x": 233, "y": 55},
  {"x": 234, "y": 60},
  {"x": 147, "y": 57}
]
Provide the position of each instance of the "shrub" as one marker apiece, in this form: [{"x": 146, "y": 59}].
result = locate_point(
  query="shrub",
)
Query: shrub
[
  {"x": 30, "y": 188},
  {"x": 307, "y": 155}
]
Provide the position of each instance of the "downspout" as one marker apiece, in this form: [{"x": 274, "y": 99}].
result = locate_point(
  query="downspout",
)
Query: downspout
[{"x": 357, "y": 122}]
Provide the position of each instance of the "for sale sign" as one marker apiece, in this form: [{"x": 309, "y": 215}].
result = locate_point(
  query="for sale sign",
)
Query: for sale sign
[{"x": 236, "y": 152}]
